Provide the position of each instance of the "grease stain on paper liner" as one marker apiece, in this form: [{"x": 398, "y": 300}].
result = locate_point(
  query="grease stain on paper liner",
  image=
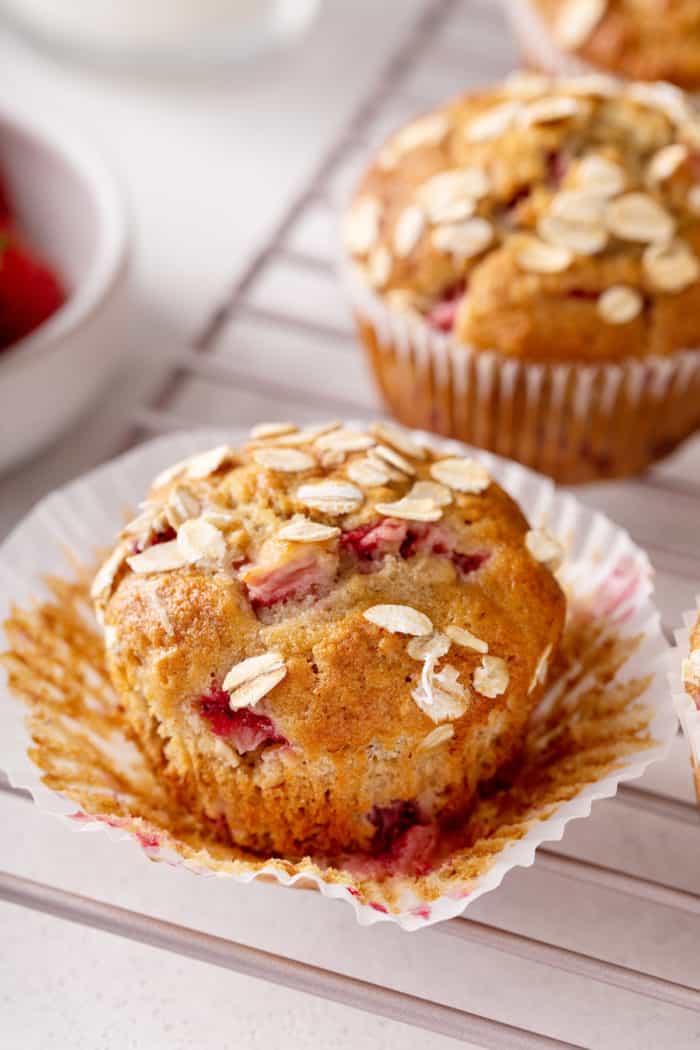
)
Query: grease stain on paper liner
[{"x": 591, "y": 720}]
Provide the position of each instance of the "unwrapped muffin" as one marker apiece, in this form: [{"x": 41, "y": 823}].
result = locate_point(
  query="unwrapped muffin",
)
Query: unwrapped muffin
[
  {"x": 329, "y": 639},
  {"x": 523, "y": 265},
  {"x": 636, "y": 39}
]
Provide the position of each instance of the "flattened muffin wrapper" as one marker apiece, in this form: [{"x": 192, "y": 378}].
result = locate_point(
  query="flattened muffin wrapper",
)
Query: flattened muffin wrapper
[
  {"x": 605, "y": 718},
  {"x": 686, "y": 709},
  {"x": 575, "y": 422}
]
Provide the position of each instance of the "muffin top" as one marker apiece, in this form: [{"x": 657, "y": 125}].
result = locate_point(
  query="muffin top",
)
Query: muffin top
[
  {"x": 347, "y": 588},
  {"x": 691, "y": 666},
  {"x": 639, "y": 39},
  {"x": 543, "y": 219}
]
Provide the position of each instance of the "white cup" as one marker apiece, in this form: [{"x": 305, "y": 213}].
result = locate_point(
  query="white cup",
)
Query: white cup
[{"x": 160, "y": 33}]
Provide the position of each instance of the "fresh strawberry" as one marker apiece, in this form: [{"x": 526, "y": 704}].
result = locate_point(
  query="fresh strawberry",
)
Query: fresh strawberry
[{"x": 30, "y": 292}]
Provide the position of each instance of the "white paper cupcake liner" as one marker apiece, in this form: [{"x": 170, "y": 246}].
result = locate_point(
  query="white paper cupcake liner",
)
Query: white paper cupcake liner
[
  {"x": 605, "y": 573},
  {"x": 687, "y": 711},
  {"x": 575, "y": 422}
]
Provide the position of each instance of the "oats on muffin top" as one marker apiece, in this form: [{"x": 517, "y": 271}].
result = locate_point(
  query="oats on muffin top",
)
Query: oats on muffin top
[{"x": 544, "y": 219}]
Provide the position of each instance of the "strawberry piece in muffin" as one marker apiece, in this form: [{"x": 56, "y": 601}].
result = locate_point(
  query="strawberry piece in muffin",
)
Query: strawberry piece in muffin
[
  {"x": 373, "y": 541},
  {"x": 245, "y": 729},
  {"x": 443, "y": 314},
  {"x": 287, "y": 576}
]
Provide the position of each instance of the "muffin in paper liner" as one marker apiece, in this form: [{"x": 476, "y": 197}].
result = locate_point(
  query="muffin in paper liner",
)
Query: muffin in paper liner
[
  {"x": 539, "y": 49},
  {"x": 605, "y": 717},
  {"x": 686, "y": 708},
  {"x": 575, "y": 422}
]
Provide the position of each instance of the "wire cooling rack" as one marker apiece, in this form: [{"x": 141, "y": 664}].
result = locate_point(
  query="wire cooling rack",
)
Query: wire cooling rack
[{"x": 282, "y": 345}]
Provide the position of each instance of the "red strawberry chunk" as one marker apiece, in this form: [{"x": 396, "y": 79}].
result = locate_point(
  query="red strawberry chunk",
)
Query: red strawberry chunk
[
  {"x": 244, "y": 728},
  {"x": 427, "y": 539},
  {"x": 443, "y": 316},
  {"x": 414, "y": 852},
  {"x": 391, "y": 821},
  {"x": 251, "y": 731},
  {"x": 371, "y": 542},
  {"x": 403, "y": 843},
  {"x": 437, "y": 539},
  {"x": 291, "y": 581},
  {"x": 468, "y": 563},
  {"x": 377, "y": 538}
]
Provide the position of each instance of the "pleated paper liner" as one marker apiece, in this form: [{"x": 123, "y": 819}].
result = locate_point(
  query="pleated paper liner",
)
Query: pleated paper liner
[
  {"x": 574, "y": 422},
  {"x": 606, "y": 716},
  {"x": 686, "y": 708}
]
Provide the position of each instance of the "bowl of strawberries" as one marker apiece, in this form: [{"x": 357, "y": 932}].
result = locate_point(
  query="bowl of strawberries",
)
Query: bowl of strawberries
[{"x": 63, "y": 281}]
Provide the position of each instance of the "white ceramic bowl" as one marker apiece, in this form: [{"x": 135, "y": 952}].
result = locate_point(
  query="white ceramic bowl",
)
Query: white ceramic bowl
[{"x": 68, "y": 204}]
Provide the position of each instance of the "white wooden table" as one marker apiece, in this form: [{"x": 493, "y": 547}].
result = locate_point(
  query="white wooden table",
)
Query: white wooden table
[{"x": 234, "y": 187}]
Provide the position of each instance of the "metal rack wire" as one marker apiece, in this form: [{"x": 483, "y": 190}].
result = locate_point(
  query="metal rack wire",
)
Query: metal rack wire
[{"x": 285, "y": 308}]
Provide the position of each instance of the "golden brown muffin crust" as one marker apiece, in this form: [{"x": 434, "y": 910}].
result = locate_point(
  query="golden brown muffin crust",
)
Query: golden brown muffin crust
[
  {"x": 639, "y": 39},
  {"x": 345, "y": 730},
  {"x": 547, "y": 220}
]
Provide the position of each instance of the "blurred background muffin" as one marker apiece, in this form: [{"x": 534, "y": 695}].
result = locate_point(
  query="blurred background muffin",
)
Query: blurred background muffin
[
  {"x": 636, "y": 39},
  {"x": 524, "y": 272}
]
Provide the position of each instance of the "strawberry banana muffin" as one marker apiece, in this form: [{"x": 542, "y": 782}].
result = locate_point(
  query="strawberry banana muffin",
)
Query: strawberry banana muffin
[
  {"x": 637, "y": 39},
  {"x": 523, "y": 264},
  {"x": 328, "y": 639}
]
